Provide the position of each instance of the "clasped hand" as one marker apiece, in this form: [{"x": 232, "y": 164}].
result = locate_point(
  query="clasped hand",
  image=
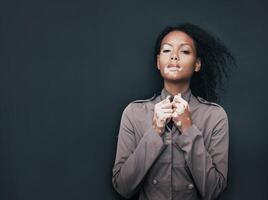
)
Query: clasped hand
[{"x": 177, "y": 110}]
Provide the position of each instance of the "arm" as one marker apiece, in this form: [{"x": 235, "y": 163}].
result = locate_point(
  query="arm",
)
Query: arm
[
  {"x": 208, "y": 166},
  {"x": 133, "y": 160}
]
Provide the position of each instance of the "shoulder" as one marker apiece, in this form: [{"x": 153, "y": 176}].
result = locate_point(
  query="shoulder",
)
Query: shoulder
[
  {"x": 140, "y": 103},
  {"x": 203, "y": 101},
  {"x": 213, "y": 108},
  {"x": 144, "y": 100}
]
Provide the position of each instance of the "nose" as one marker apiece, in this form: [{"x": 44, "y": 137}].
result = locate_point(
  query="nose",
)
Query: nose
[{"x": 174, "y": 56}]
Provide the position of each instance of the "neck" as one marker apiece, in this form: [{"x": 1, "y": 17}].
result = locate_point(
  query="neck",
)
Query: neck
[{"x": 175, "y": 88}]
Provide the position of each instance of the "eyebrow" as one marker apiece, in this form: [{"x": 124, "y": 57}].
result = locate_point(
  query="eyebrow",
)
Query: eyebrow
[{"x": 182, "y": 44}]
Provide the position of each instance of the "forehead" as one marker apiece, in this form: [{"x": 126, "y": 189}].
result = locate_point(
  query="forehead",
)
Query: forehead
[{"x": 176, "y": 38}]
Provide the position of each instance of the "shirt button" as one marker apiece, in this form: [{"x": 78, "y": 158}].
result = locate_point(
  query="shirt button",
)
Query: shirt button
[
  {"x": 190, "y": 186},
  {"x": 155, "y": 181}
]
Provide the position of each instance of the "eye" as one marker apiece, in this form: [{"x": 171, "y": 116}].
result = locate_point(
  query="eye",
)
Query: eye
[
  {"x": 186, "y": 52},
  {"x": 166, "y": 51}
]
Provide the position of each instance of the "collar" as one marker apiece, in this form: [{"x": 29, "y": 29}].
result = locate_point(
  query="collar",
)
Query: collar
[{"x": 185, "y": 95}]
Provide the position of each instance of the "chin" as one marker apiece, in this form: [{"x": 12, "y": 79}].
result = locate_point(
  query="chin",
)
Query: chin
[{"x": 173, "y": 79}]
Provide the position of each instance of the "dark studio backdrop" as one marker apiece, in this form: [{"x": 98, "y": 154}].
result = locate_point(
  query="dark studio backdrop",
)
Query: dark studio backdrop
[{"x": 69, "y": 68}]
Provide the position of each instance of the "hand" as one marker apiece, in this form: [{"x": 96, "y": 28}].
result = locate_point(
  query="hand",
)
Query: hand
[
  {"x": 162, "y": 115},
  {"x": 181, "y": 113}
]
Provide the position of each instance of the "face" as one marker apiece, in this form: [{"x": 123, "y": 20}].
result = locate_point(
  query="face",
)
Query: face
[{"x": 177, "y": 59}]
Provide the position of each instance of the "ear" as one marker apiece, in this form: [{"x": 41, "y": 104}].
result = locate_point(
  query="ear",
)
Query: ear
[
  {"x": 197, "y": 65},
  {"x": 158, "y": 62}
]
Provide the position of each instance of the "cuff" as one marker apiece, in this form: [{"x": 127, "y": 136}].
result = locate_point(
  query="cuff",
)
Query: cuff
[
  {"x": 153, "y": 138},
  {"x": 185, "y": 140}
]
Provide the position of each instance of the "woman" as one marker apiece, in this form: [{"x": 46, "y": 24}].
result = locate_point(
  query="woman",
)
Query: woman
[{"x": 175, "y": 145}]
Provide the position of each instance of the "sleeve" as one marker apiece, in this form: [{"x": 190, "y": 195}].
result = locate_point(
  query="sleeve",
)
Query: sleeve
[
  {"x": 208, "y": 166},
  {"x": 133, "y": 160}
]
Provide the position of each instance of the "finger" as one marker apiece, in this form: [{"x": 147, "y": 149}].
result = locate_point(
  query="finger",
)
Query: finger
[
  {"x": 161, "y": 103},
  {"x": 185, "y": 103},
  {"x": 167, "y": 115},
  {"x": 167, "y": 110},
  {"x": 168, "y": 97},
  {"x": 177, "y": 96},
  {"x": 162, "y": 112},
  {"x": 175, "y": 104},
  {"x": 163, "y": 115},
  {"x": 181, "y": 102},
  {"x": 166, "y": 105},
  {"x": 180, "y": 109},
  {"x": 175, "y": 115},
  {"x": 166, "y": 100},
  {"x": 178, "y": 101}
]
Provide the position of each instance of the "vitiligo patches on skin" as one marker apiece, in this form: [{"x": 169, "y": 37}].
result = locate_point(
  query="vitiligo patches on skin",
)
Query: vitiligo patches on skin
[
  {"x": 178, "y": 123},
  {"x": 161, "y": 114},
  {"x": 182, "y": 104},
  {"x": 172, "y": 70},
  {"x": 180, "y": 109},
  {"x": 164, "y": 116}
]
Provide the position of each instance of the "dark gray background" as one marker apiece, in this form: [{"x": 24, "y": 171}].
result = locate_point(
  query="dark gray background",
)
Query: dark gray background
[{"x": 68, "y": 69}]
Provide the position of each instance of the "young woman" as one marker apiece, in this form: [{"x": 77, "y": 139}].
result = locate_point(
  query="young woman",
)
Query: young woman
[{"x": 175, "y": 145}]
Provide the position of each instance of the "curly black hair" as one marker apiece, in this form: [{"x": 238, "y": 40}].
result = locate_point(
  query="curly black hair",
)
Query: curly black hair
[{"x": 216, "y": 60}]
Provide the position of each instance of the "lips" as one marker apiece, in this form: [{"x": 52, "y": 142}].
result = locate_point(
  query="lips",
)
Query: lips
[
  {"x": 173, "y": 65},
  {"x": 173, "y": 69}
]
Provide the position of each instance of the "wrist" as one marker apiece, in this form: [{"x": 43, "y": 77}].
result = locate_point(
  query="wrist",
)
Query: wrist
[
  {"x": 185, "y": 128},
  {"x": 158, "y": 130}
]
